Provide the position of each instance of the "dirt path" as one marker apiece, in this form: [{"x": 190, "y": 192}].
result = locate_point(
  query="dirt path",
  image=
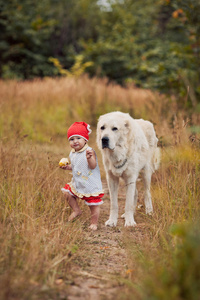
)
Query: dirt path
[{"x": 98, "y": 273}]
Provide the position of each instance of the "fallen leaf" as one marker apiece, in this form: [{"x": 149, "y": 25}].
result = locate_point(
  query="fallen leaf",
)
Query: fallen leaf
[
  {"x": 129, "y": 271},
  {"x": 59, "y": 281},
  {"x": 103, "y": 248}
]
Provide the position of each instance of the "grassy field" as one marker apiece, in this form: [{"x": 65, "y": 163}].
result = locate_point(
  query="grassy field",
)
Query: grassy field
[{"x": 38, "y": 245}]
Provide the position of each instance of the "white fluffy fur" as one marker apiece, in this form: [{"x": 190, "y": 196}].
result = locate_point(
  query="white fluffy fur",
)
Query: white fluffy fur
[{"x": 131, "y": 146}]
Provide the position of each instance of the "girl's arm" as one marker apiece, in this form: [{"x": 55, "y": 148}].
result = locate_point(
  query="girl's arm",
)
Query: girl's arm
[{"x": 91, "y": 158}]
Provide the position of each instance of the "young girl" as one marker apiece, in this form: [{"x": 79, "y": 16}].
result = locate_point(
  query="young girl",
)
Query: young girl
[{"x": 86, "y": 182}]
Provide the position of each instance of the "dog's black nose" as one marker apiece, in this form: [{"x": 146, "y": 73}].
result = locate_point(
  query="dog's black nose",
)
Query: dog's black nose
[{"x": 105, "y": 142}]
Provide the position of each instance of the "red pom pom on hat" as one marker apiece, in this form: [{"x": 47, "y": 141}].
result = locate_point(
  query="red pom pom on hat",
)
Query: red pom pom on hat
[{"x": 80, "y": 129}]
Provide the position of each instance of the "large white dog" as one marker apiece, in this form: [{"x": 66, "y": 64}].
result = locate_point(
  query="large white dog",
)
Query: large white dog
[{"x": 127, "y": 146}]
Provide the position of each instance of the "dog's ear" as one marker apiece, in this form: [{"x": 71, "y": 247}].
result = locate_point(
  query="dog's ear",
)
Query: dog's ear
[
  {"x": 98, "y": 139},
  {"x": 127, "y": 125}
]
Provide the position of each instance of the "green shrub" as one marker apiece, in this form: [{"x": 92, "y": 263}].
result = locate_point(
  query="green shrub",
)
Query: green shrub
[{"x": 178, "y": 276}]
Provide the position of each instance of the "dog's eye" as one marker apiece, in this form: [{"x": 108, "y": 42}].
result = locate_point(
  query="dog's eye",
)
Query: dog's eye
[
  {"x": 102, "y": 127},
  {"x": 114, "y": 129}
]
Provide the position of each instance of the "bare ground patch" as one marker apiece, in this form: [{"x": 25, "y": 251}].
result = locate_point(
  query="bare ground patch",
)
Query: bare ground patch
[{"x": 99, "y": 270}]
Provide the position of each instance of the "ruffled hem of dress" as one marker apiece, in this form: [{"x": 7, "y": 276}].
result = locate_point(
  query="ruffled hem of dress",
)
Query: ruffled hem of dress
[
  {"x": 79, "y": 195},
  {"x": 92, "y": 204},
  {"x": 66, "y": 191}
]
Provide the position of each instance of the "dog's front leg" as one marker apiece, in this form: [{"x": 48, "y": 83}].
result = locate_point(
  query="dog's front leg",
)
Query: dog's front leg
[
  {"x": 131, "y": 202},
  {"x": 113, "y": 183}
]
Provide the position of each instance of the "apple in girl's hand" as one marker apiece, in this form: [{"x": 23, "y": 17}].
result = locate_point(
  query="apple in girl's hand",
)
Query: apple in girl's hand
[{"x": 63, "y": 162}]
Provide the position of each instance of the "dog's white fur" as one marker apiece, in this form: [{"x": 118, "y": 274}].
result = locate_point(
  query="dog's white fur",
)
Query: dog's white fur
[{"x": 127, "y": 146}]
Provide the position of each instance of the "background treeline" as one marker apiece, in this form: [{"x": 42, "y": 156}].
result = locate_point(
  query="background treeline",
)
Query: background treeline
[{"x": 149, "y": 43}]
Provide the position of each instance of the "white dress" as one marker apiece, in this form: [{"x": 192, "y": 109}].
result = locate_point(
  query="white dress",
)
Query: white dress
[{"x": 86, "y": 182}]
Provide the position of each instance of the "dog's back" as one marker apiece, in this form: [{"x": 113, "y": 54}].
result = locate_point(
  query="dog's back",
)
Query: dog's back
[{"x": 150, "y": 134}]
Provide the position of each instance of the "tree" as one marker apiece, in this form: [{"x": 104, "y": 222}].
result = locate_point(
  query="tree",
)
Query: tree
[
  {"x": 25, "y": 27},
  {"x": 150, "y": 44},
  {"x": 32, "y": 31}
]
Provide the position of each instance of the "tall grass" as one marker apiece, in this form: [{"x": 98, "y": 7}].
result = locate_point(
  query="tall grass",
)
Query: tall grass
[
  {"x": 166, "y": 260},
  {"x": 36, "y": 241},
  {"x": 42, "y": 109}
]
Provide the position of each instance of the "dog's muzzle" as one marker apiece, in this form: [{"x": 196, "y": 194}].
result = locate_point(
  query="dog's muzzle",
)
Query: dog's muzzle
[{"x": 105, "y": 142}]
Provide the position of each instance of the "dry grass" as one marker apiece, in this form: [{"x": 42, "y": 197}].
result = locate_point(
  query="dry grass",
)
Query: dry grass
[
  {"x": 32, "y": 107},
  {"x": 36, "y": 241},
  {"x": 166, "y": 261}
]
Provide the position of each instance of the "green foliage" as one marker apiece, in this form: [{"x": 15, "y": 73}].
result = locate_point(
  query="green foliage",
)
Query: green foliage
[
  {"x": 24, "y": 29},
  {"x": 149, "y": 44},
  {"x": 31, "y": 32},
  {"x": 179, "y": 277},
  {"x": 77, "y": 69}
]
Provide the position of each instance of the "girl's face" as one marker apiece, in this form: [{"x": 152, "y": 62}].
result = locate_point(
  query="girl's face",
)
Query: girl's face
[{"x": 77, "y": 143}]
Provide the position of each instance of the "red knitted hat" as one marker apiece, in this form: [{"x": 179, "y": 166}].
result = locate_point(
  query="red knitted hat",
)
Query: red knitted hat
[{"x": 81, "y": 129}]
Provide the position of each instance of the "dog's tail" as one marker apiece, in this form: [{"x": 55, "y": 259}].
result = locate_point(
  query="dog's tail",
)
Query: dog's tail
[{"x": 156, "y": 159}]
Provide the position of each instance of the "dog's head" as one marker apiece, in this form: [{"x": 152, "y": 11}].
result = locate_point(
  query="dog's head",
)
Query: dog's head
[{"x": 112, "y": 130}]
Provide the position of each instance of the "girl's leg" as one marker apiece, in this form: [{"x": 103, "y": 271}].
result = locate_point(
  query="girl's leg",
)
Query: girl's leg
[
  {"x": 95, "y": 211},
  {"x": 74, "y": 205}
]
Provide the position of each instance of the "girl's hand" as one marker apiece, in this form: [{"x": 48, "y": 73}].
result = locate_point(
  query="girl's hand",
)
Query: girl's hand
[
  {"x": 89, "y": 154},
  {"x": 67, "y": 167},
  {"x": 91, "y": 158}
]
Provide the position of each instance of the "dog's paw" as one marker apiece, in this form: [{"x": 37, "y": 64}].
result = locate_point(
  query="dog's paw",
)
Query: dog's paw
[
  {"x": 111, "y": 223},
  {"x": 123, "y": 216},
  {"x": 130, "y": 222},
  {"x": 149, "y": 211}
]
